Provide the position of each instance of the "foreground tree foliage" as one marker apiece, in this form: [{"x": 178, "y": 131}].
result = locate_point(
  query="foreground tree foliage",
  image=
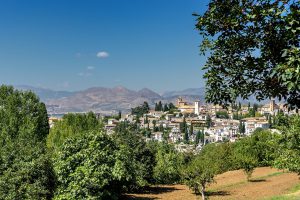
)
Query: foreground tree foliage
[
  {"x": 71, "y": 125},
  {"x": 212, "y": 160},
  {"x": 25, "y": 169},
  {"x": 91, "y": 166},
  {"x": 246, "y": 156},
  {"x": 288, "y": 152},
  {"x": 141, "y": 158},
  {"x": 254, "y": 49},
  {"x": 168, "y": 164}
]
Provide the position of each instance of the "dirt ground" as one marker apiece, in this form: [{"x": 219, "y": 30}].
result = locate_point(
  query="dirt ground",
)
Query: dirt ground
[{"x": 266, "y": 182}]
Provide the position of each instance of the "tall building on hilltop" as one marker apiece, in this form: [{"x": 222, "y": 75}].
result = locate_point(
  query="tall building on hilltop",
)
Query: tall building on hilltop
[
  {"x": 184, "y": 107},
  {"x": 197, "y": 107}
]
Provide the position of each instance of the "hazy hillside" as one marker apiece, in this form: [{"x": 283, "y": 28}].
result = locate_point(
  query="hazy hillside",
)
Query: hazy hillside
[
  {"x": 103, "y": 100},
  {"x": 110, "y": 100},
  {"x": 45, "y": 94},
  {"x": 187, "y": 92}
]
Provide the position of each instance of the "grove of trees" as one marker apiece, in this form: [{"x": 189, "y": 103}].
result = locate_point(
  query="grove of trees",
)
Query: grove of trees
[
  {"x": 78, "y": 160},
  {"x": 26, "y": 170},
  {"x": 253, "y": 48}
]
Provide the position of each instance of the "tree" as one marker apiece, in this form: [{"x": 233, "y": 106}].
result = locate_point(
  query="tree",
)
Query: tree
[
  {"x": 140, "y": 110},
  {"x": 171, "y": 106},
  {"x": 208, "y": 121},
  {"x": 253, "y": 48},
  {"x": 199, "y": 174},
  {"x": 161, "y": 128},
  {"x": 265, "y": 144},
  {"x": 168, "y": 164},
  {"x": 71, "y": 125},
  {"x": 25, "y": 168},
  {"x": 119, "y": 115},
  {"x": 270, "y": 120},
  {"x": 201, "y": 171},
  {"x": 242, "y": 128},
  {"x": 142, "y": 159},
  {"x": 288, "y": 151},
  {"x": 90, "y": 166},
  {"x": 202, "y": 136},
  {"x": 246, "y": 156},
  {"x": 186, "y": 137},
  {"x": 159, "y": 106},
  {"x": 154, "y": 126},
  {"x": 280, "y": 120},
  {"x": 222, "y": 114},
  {"x": 146, "y": 121},
  {"x": 191, "y": 129},
  {"x": 199, "y": 137},
  {"x": 166, "y": 108},
  {"x": 183, "y": 126}
]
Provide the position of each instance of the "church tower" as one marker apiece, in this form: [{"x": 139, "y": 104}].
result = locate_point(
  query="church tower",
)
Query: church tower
[{"x": 197, "y": 107}]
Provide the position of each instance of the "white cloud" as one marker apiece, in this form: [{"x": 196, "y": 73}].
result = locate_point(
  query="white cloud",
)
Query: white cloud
[
  {"x": 90, "y": 67},
  {"x": 85, "y": 74},
  {"x": 102, "y": 54}
]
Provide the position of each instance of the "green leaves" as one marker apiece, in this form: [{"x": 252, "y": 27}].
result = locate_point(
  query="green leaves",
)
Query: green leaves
[
  {"x": 288, "y": 151},
  {"x": 250, "y": 46},
  {"x": 168, "y": 164},
  {"x": 87, "y": 167},
  {"x": 71, "y": 125},
  {"x": 25, "y": 169}
]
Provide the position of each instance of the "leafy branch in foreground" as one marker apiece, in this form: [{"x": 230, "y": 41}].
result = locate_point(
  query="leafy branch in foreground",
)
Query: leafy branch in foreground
[{"x": 254, "y": 49}]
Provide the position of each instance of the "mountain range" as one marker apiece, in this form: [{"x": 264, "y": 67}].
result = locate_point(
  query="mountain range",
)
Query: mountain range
[{"x": 108, "y": 100}]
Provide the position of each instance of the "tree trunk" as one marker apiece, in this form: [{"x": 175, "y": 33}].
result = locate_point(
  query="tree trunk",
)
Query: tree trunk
[{"x": 203, "y": 192}]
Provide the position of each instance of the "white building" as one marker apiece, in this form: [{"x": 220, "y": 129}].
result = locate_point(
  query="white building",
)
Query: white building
[{"x": 197, "y": 107}]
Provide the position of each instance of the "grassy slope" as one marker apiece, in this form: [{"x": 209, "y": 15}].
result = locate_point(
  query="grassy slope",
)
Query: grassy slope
[{"x": 267, "y": 184}]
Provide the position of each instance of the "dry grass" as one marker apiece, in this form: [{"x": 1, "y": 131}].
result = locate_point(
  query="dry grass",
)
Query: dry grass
[{"x": 266, "y": 183}]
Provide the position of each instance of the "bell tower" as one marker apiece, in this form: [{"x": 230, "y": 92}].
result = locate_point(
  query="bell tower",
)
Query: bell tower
[{"x": 197, "y": 107}]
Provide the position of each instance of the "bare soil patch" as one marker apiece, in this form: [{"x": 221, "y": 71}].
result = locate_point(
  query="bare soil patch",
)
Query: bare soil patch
[{"x": 266, "y": 182}]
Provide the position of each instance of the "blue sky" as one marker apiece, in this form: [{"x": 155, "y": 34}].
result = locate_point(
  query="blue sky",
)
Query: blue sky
[{"x": 77, "y": 44}]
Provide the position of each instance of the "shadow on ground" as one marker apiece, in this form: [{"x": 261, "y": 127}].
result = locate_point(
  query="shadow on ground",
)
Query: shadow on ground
[
  {"x": 217, "y": 193},
  {"x": 155, "y": 190},
  {"x": 132, "y": 197},
  {"x": 258, "y": 180},
  {"x": 158, "y": 190}
]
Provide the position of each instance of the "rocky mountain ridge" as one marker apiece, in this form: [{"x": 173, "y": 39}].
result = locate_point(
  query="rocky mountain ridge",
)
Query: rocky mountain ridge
[{"x": 106, "y": 100}]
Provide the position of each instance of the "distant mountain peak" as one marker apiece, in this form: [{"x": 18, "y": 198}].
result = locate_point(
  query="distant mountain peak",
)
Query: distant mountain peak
[
  {"x": 121, "y": 88},
  {"x": 105, "y": 100},
  {"x": 145, "y": 92}
]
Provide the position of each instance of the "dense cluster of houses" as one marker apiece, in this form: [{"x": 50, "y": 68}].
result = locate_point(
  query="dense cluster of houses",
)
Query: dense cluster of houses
[
  {"x": 197, "y": 118},
  {"x": 196, "y": 115}
]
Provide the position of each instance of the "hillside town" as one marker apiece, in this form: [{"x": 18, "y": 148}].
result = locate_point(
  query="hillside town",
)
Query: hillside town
[{"x": 192, "y": 125}]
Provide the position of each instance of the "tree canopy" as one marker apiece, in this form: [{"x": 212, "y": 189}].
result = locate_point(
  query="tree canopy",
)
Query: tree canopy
[
  {"x": 25, "y": 169},
  {"x": 253, "y": 48},
  {"x": 71, "y": 125},
  {"x": 90, "y": 166}
]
